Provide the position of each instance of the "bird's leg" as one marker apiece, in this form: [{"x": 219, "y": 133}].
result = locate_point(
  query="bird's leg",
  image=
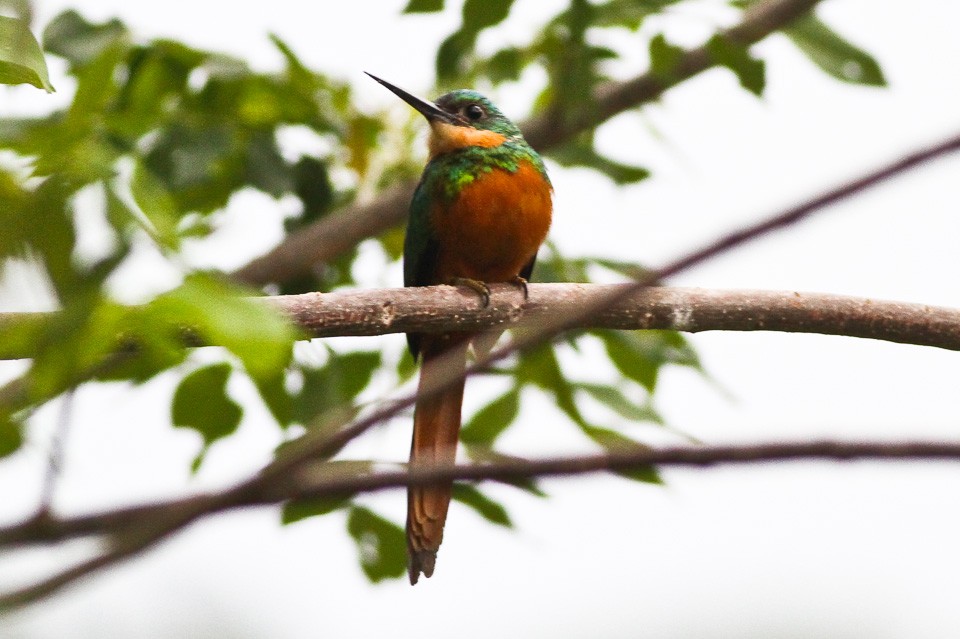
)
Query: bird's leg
[
  {"x": 477, "y": 286},
  {"x": 521, "y": 283}
]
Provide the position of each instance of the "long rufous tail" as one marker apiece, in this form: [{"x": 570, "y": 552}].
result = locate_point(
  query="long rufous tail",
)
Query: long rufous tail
[{"x": 436, "y": 427}]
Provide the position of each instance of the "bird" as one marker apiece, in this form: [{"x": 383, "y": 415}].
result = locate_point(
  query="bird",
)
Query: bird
[{"x": 481, "y": 210}]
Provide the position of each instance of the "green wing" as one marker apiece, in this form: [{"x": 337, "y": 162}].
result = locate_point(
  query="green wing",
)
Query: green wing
[
  {"x": 419, "y": 249},
  {"x": 420, "y": 244}
]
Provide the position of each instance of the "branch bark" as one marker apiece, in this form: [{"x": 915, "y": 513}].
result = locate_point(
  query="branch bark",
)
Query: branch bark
[
  {"x": 439, "y": 309},
  {"x": 331, "y": 236},
  {"x": 317, "y": 480},
  {"x": 131, "y": 530},
  {"x": 444, "y": 308}
]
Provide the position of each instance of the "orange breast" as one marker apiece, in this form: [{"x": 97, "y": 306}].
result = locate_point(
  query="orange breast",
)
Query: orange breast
[{"x": 495, "y": 225}]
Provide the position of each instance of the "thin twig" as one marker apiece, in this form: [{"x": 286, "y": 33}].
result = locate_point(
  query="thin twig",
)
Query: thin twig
[
  {"x": 316, "y": 481},
  {"x": 56, "y": 453},
  {"x": 124, "y": 543}
]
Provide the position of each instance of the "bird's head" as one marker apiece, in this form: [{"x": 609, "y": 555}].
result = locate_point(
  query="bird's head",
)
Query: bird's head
[{"x": 459, "y": 119}]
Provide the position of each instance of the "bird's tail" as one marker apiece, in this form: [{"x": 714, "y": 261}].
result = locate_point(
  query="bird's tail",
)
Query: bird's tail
[{"x": 436, "y": 426}]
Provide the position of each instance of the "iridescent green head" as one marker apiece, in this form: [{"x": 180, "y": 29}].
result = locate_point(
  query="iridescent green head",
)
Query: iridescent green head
[
  {"x": 459, "y": 119},
  {"x": 476, "y": 110}
]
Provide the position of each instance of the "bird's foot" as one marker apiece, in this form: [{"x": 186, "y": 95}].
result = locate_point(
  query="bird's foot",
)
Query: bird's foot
[
  {"x": 521, "y": 283},
  {"x": 477, "y": 286}
]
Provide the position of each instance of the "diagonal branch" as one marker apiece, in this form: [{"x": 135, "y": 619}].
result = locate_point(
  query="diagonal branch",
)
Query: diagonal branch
[
  {"x": 133, "y": 529},
  {"x": 317, "y": 481},
  {"x": 331, "y": 236}
]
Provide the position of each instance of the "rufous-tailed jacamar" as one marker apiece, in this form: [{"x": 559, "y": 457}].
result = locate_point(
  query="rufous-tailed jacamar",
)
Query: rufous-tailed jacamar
[{"x": 479, "y": 214}]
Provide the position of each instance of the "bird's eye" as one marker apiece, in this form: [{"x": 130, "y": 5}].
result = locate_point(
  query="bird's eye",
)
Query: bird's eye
[{"x": 474, "y": 112}]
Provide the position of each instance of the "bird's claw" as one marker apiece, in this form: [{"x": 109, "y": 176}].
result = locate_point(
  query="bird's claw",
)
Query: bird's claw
[
  {"x": 521, "y": 283},
  {"x": 480, "y": 288}
]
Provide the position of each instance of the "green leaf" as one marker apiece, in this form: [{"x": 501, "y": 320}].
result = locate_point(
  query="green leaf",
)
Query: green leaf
[
  {"x": 487, "y": 508},
  {"x": 157, "y": 205},
  {"x": 266, "y": 168},
  {"x": 406, "y": 367},
  {"x": 505, "y": 65},
  {"x": 485, "y": 454},
  {"x": 199, "y": 165},
  {"x": 201, "y": 403},
  {"x": 70, "y": 36},
  {"x": 334, "y": 385},
  {"x": 300, "y": 509},
  {"x": 11, "y": 436},
  {"x": 76, "y": 343},
  {"x": 750, "y": 71},
  {"x": 380, "y": 543},
  {"x": 21, "y": 333},
  {"x": 21, "y": 59},
  {"x": 297, "y": 509},
  {"x": 157, "y": 74},
  {"x": 491, "y": 420},
  {"x": 423, "y": 6},
  {"x": 553, "y": 267},
  {"x": 50, "y": 231},
  {"x": 279, "y": 401},
  {"x": 541, "y": 368},
  {"x": 617, "y": 442},
  {"x": 311, "y": 183},
  {"x": 580, "y": 152},
  {"x": 222, "y": 314},
  {"x": 157, "y": 347},
  {"x": 640, "y": 354},
  {"x": 630, "y": 359},
  {"x": 477, "y": 16},
  {"x": 664, "y": 58},
  {"x": 615, "y": 399},
  {"x": 829, "y": 51},
  {"x": 631, "y": 269},
  {"x": 627, "y": 13},
  {"x": 480, "y": 14},
  {"x": 451, "y": 52},
  {"x": 643, "y": 474}
]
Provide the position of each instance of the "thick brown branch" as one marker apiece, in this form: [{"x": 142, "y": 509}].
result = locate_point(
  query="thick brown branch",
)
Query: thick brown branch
[
  {"x": 331, "y": 236},
  {"x": 444, "y": 308}
]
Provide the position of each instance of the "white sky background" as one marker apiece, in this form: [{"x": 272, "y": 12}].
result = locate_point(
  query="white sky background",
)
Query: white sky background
[{"x": 800, "y": 550}]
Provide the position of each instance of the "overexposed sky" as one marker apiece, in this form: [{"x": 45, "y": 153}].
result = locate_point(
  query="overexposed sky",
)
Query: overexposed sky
[{"x": 799, "y": 550}]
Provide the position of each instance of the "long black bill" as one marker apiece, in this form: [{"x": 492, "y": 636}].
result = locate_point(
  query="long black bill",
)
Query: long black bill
[{"x": 429, "y": 110}]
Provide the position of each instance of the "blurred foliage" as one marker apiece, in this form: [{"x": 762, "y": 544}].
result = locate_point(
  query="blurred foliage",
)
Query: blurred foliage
[
  {"x": 21, "y": 59},
  {"x": 163, "y": 135}
]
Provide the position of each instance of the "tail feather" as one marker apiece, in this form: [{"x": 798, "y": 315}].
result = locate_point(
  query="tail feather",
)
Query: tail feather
[{"x": 436, "y": 427}]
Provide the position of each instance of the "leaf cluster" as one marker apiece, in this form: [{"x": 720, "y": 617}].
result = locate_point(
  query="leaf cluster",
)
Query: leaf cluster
[{"x": 575, "y": 52}]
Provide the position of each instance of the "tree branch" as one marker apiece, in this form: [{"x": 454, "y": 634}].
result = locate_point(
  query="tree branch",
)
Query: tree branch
[
  {"x": 317, "y": 480},
  {"x": 441, "y": 309},
  {"x": 131, "y": 530},
  {"x": 336, "y": 233}
]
